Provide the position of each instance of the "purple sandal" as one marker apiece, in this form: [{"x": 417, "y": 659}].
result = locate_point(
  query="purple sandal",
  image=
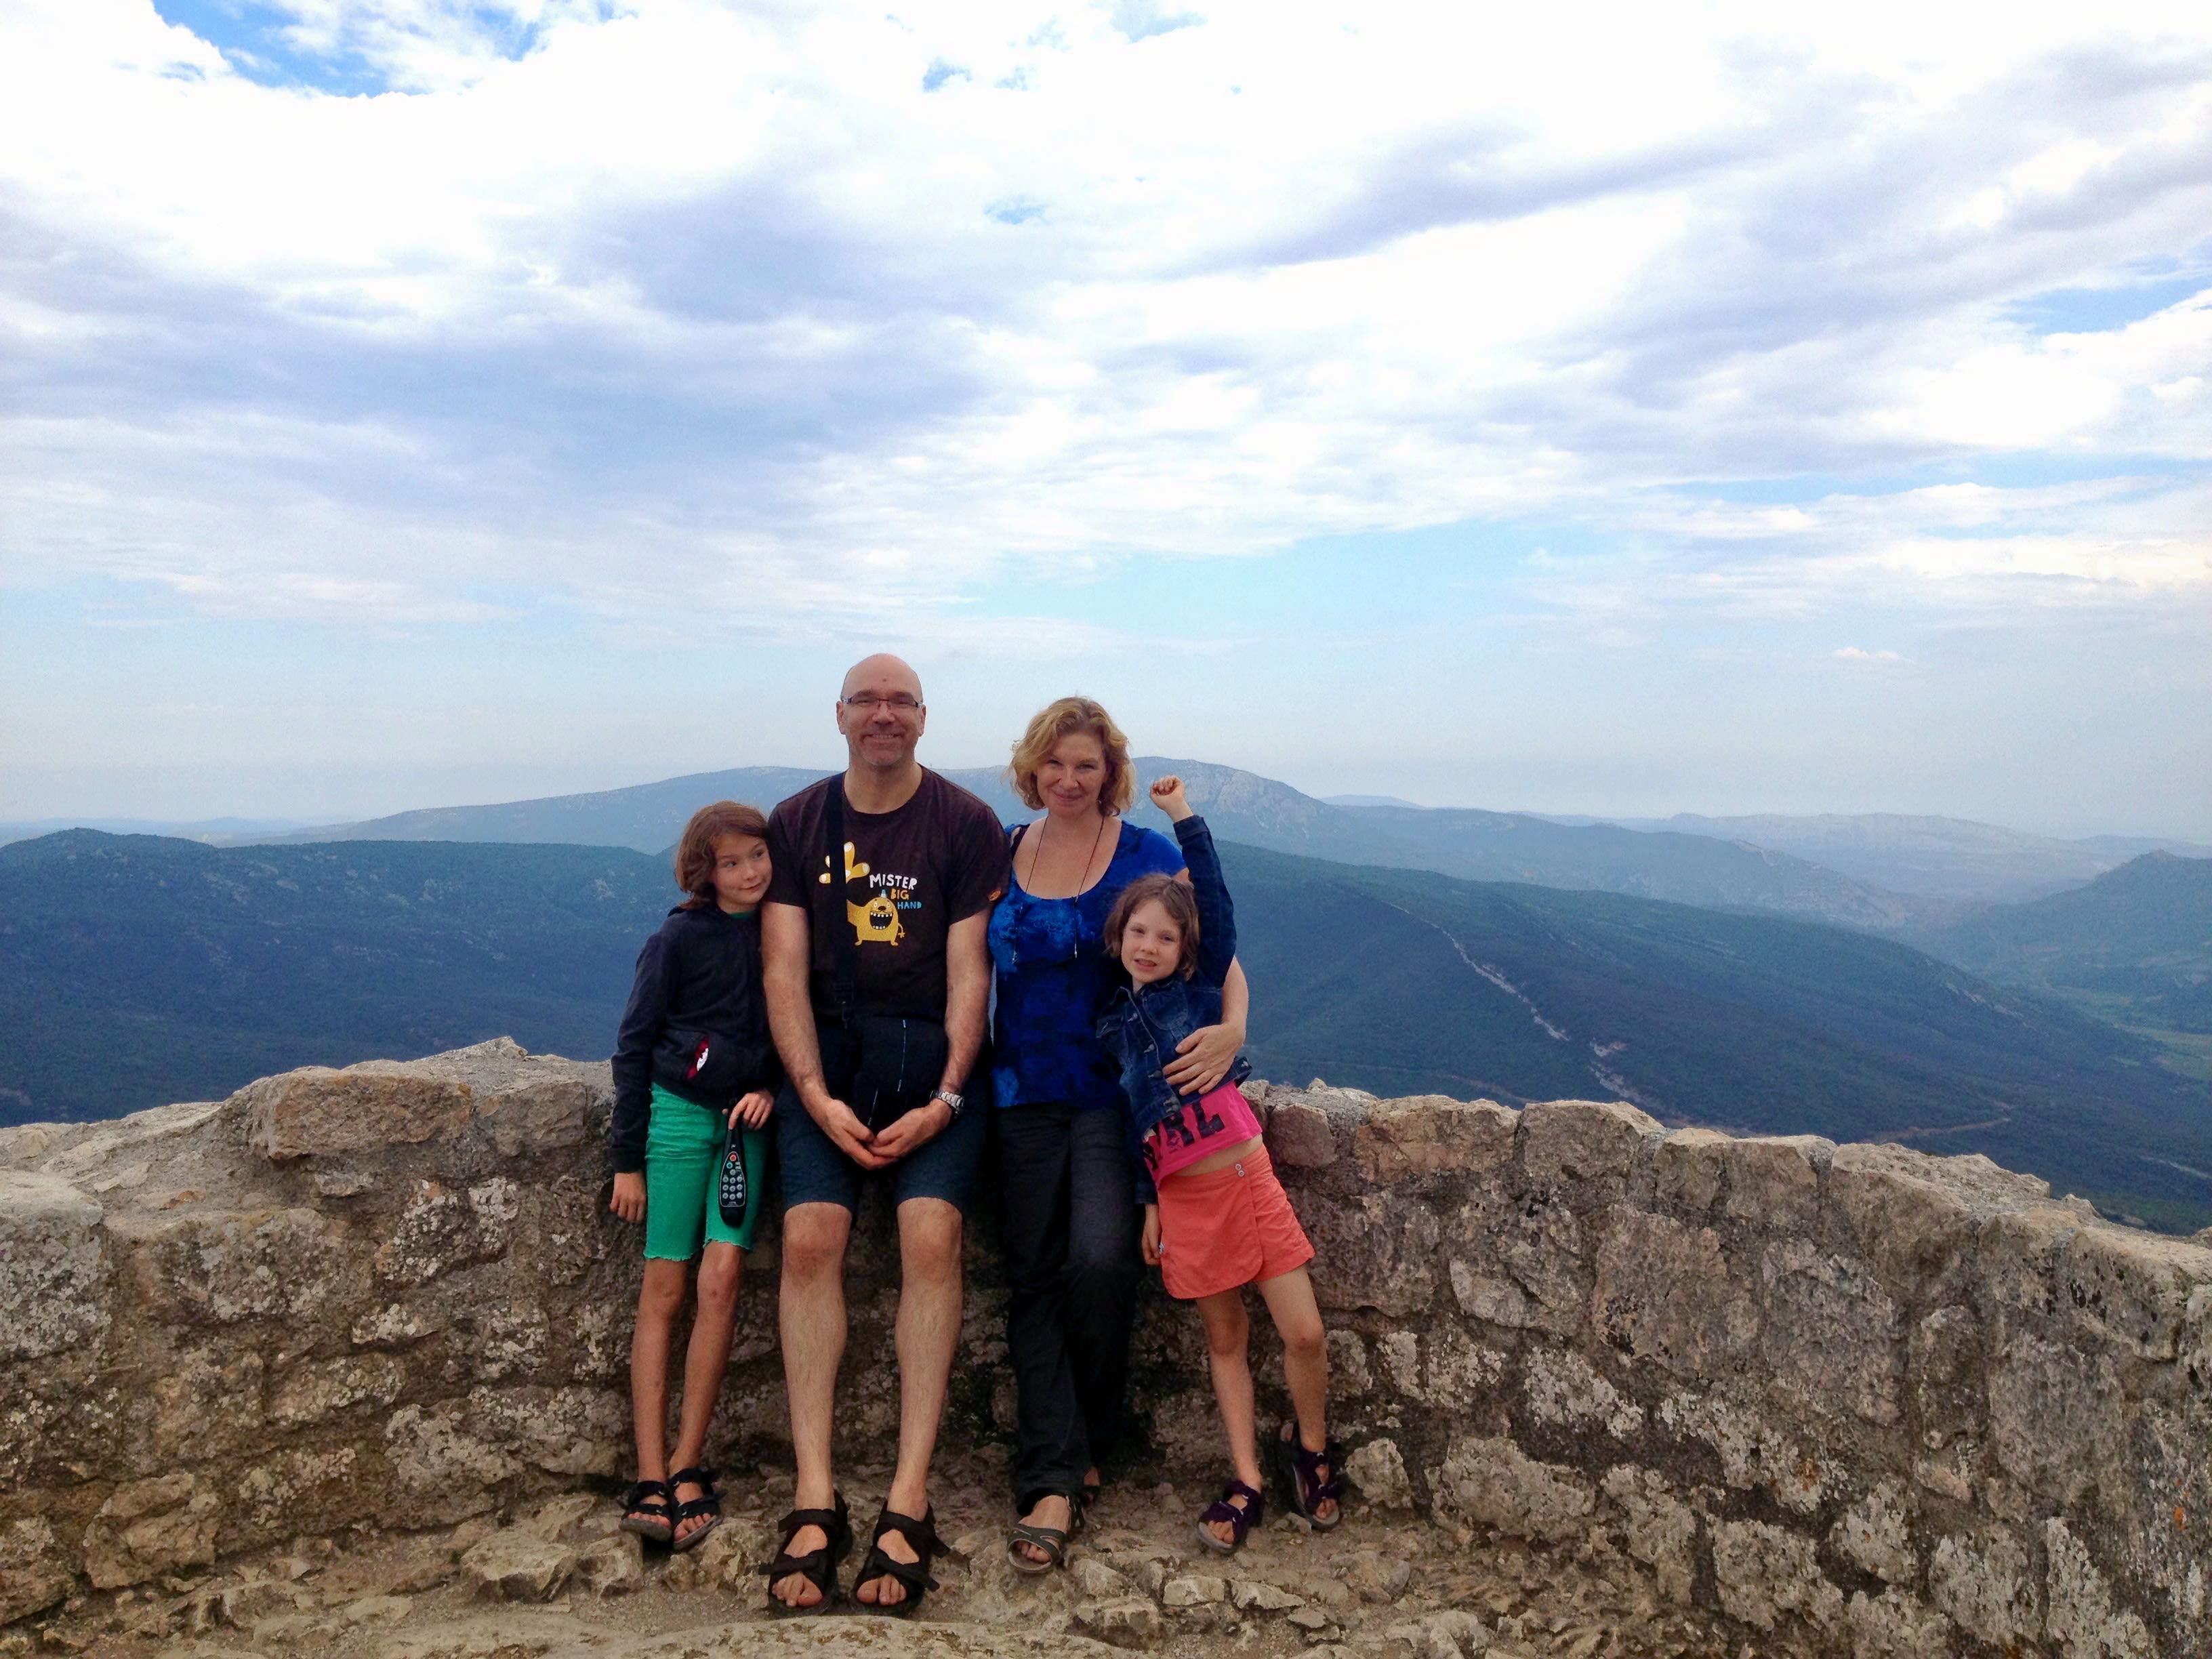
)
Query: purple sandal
[
  {"x": 1243, "y": 1519},
  {"x": 1305, "y": 1488}
]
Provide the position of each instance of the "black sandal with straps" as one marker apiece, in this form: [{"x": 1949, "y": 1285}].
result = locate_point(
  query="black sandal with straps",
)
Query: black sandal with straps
[
  {"x": 648, "y": 1511},
  {"x": 1305, "y": 1482},
  {"x": 922, "y": 1537},
  {"x": 1053, "y": 1540},
  {"x": 691, "y": 1508},
  {"x": 818, "y": 1567},
  {"x": 1240, "y": 1517}
]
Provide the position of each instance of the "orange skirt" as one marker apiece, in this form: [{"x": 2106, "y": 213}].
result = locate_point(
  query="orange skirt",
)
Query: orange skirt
[{"x": 1227, "y": 1227}]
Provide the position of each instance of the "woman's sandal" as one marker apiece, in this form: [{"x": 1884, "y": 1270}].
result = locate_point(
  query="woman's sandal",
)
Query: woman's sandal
[
  {"x": 1053, "y": 1540},
  {"x": 1243, "y": 1517},
  {"x": 691, "y": 1508},
  {"x": 922, "y": 1537},
  {"x": 818, "y": 1567},
  {"x": 648, "y": 1511},
  {"x": 1305, "y": 1487}
]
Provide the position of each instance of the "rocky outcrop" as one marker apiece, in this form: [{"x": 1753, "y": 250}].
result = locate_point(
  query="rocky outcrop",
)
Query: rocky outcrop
[{"x": 1853, "y": 1400}]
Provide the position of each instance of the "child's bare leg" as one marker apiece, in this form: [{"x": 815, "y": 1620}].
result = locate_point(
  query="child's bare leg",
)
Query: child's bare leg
[
  {"x": 721, "y": 1273},
  {"x": 1228, "y": 1339},
  {"x": 659, "y": 1299},
  {"x": 1290, "y": 1303}
]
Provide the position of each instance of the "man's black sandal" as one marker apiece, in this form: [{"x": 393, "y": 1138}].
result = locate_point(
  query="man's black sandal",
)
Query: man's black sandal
[
  {"x": 818, "y": 1567},
  {"x": 646, "y": 1511},
  {"x": 1242, "y": 1519},
  {"x": 922, "y": 1537},
  {"x": 691, "y": 1508},
  {"x": 1053, "y": 1540},
  {"x": 1306, "y": 1487}
]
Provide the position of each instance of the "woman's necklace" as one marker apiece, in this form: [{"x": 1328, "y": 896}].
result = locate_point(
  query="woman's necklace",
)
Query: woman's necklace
[{"x": 1083, "y": 876}]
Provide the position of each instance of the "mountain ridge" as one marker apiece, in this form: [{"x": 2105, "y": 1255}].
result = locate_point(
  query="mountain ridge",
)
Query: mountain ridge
[
  {"x": 1923, "y": 855},
  {"x": 1467, "y": 842},
  {"x": 185, "y": 970}
]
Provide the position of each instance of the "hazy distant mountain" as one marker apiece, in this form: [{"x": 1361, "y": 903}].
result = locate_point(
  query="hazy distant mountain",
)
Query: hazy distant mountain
[
  {"x": 2135, "y": 944},
  {"x": 215, "y": 831},
  {"x": 1368, "y": 800},
  {"x": 135, "y": 970},
  {"x": 1481, "y": 846},
  {"x": 1931, "y": 857},
  {"x": 648, "y": 817},
  {"x": 1243, "y": 807}
]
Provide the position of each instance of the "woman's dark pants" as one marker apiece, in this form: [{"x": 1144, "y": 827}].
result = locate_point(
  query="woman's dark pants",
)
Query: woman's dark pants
[{"x": 1073, "y": 1231}]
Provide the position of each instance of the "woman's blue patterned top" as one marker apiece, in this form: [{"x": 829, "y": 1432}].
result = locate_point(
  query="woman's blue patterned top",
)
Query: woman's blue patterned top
[{"x": 1053, "y": 977}]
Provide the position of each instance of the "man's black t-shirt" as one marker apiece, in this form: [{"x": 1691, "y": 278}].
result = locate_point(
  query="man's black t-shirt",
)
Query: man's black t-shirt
[{"x": 901, "y": 881}]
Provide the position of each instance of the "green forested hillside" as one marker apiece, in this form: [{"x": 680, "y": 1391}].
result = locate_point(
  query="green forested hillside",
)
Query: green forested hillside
[
  {"x": 2135, "y": 944},
  {"x": 135, "y": 970},
  {"x": 1394, "y": 981}
]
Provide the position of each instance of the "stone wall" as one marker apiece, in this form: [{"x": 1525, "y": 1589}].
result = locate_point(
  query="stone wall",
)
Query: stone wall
[{"x": 1866, "y": 1400}]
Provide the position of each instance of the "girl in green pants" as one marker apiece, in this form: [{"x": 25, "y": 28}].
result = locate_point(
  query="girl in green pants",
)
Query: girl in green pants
[{"x": 694, "y": 1071}]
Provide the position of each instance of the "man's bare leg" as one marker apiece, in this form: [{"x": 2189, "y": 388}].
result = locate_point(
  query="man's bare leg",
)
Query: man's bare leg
[
  {"x": 810, "y": 1317},
  {"x": 928, "y": 1333}
]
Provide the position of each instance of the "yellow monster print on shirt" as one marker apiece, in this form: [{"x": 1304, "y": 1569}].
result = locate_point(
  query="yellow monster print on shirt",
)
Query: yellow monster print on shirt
[{"x": 875, "y": 922}]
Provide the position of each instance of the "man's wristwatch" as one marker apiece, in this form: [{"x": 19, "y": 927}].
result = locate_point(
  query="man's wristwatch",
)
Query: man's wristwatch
[{"x": 950, "y": 1098}]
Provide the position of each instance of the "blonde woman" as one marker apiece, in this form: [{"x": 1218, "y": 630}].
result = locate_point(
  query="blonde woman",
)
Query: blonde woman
[{"x": 1073, "y": 1223}]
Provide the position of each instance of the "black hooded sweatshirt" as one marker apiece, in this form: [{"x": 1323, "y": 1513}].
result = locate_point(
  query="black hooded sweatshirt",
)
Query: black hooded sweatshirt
[{"x": 700, "y": 973}]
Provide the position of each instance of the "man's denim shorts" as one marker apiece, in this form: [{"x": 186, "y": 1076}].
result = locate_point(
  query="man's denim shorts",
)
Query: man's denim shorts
[{"x": 816, "y": 1172}]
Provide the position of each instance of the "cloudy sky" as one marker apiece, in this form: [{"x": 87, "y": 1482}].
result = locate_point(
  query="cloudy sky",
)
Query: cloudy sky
[{"x": 410, "y": 401}]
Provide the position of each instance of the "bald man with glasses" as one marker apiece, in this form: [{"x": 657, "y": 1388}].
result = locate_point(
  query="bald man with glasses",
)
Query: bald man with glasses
[{"x": 872, "y": 950}]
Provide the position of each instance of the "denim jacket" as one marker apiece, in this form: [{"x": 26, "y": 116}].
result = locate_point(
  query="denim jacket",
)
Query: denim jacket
[{"x": 1143, "y": 1023}]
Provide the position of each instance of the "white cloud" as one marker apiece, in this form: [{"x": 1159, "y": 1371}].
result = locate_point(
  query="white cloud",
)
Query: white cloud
[{"x": 617, "y": 308}]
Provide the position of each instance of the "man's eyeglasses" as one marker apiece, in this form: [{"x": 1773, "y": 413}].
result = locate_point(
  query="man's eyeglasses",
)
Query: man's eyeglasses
[{"x": 866, "y": 702}]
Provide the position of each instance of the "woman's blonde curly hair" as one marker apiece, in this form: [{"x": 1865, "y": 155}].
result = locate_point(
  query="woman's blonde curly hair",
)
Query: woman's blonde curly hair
[{"x": 1057, "y": 720}]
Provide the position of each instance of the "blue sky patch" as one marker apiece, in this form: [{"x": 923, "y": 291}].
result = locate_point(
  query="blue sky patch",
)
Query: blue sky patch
[
  {"x": 2026, "y": 469},
  {"x": 1140, "y": 20},
  {"x": 2098, "y": 310},
  {"x": 252, "y": 38},
  {"x": 257, "y": 40}
]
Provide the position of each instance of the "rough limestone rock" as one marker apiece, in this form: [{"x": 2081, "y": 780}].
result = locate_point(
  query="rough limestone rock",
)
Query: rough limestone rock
[
  {"x": 1583, "y": 1139},
  {"x": 150, "y": 1526},
  {"x": 34, "y": 1572},
  {"x": 613, "y": 1566},
  {"x": 52, "y": 1278},
  {"x": 1300, "y": 1137},
  {"x": 1128, "y": 1622},
  {"x": 849, "y": 1638},
  {"x": 1806, "y": 1399},
  {"x": 1377, "y": 1472},
  {"x": 517, "y": 1565},
  {"x": 1492, "y": 1482},
  {"x": 1431, "y": 1134},
  {"x": 1257, "y": 1595}
]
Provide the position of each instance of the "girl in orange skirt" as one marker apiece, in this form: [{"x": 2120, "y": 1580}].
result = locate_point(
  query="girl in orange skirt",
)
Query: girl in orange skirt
[{"x": 1216, "y": 1218}]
